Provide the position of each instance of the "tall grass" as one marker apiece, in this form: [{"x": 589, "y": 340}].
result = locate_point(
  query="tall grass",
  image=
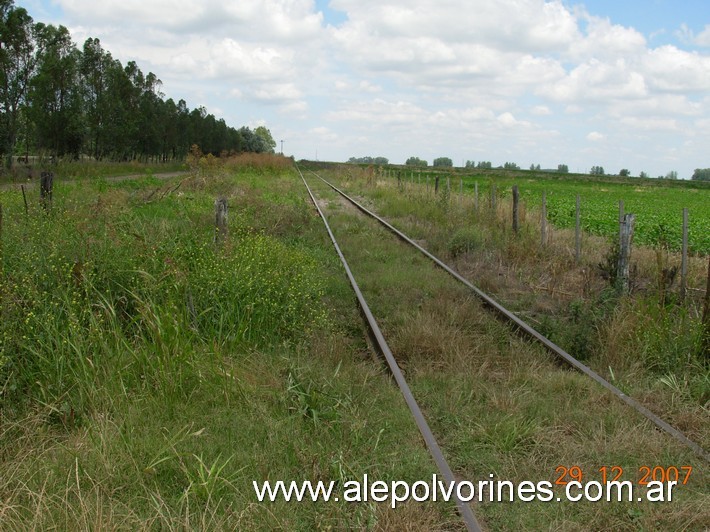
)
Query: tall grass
[{"x": 95, "y": 297}]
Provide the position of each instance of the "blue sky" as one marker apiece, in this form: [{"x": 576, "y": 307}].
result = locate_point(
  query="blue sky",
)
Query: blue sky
[{"x": 621, "y": 84}]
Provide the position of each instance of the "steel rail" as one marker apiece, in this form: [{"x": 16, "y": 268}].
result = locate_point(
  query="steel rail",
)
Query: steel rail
[
  {"x": 381, "y": 345},
  {"x": 532, "y": 333}
]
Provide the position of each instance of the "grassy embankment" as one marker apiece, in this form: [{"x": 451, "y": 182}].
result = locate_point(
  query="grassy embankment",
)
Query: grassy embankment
[{"x": 148, "y": 377}]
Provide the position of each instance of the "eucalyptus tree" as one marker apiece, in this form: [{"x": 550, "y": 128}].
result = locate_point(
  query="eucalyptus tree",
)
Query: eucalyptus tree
[
  {"x": 55, "y": 103},
  {"x": 17, "y": 65}
]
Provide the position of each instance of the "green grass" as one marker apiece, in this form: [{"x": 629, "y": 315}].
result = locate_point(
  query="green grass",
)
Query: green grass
[
  {"x": 148, "y": 376},
  {"x": 499, "y": 405}
]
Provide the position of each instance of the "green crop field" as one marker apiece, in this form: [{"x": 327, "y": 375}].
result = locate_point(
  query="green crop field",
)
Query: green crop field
[{"x": 658, "y": 205}]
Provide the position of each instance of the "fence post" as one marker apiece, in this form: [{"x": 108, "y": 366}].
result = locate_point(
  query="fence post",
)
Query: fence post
[
  {"x": 475, "y": 196},
  {"x": 220, "y": 211},
  {"x": 543, "y": 220},
  {"x": 436, "y": 184},
  {"x": 684, "y": 258},
  {"x": 45, "y": 189},
  {"x": 705, "y": 342},
  {"x": 24, "y": 198},
  {"x": 626, "y": 231},
  {"x": 493, "y": 199},
  {"x": 516, "y": 199},
  {"x": 577, "y": 234}
]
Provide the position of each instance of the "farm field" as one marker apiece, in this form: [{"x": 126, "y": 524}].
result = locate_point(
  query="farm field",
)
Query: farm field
[
  {"x": 657, "y": 204},
  {"x": 149, "y": 375}
]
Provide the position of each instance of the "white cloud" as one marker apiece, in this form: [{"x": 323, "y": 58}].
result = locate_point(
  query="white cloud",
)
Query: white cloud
[
  {"x": 703, "y": 38},
  {"x": 420, "y": 75},
  {"x": 595, "y": 136},
  {"x": 541, "y": 110}
]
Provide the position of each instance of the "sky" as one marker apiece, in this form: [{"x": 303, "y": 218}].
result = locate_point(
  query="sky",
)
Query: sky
[{"x": 617, "y": 84}]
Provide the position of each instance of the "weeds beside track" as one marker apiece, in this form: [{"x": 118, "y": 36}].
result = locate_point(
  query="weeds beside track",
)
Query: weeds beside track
[{"x": 348, "y": 224}]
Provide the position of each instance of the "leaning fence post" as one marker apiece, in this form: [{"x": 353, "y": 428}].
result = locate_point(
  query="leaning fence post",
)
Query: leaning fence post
[
  {"x": 577, "y": 233},
  {"x": 705, "y": 343},
  {"x": 626, "y": 231},
  {"x": 543, "y": 220},
  {"x": 220, "y": 228},
  {"x": 516, "y": 200},
  {"x": 45, "y": 189},
  {"x": 684, "y": 258},
  {"x": 24, "y": 198}
]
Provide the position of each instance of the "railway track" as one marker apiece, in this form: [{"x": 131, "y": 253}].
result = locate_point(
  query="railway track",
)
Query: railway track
[{"x": 380, "y": 344}]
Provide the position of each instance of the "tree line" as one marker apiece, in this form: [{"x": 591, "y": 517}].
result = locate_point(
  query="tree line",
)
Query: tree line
[{"x": 59, "y": 100}]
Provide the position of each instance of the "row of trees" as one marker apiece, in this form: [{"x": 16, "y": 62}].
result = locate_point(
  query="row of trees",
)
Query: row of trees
[
  {"x": 368, "y": 160},
  {"x": 57, "y": 99},
  {"x": 700, "y": 174}
]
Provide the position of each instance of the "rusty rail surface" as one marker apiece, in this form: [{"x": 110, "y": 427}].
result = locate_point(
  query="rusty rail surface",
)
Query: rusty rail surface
[{"x": 383, "y": 349}]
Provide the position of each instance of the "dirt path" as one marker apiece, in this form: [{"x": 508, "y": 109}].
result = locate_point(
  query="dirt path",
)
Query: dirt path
[{"x": 29, "y": 184}]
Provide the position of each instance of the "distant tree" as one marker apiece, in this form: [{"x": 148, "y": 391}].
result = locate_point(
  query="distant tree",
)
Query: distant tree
[
  {"x": 443, "y": 161},
  {"x": 368, "y": 160},
  {"x": 470, "y": 164},
  {"x": 265, "y": 135},
  {"x": 484, "y": 164},
  {"x": 624, "y": 172},
  {"x": 643, "y": 175},
  {"x": 597, "y": 170},
  {"x": 535, "y": 167},
  {"x": 511, "y": 166},
  {"x": 701, "y": 174},
  {"x": 672, "y": 175},
  {"x": 563, "y": 168},
  {"x": 416, "y": 161}
]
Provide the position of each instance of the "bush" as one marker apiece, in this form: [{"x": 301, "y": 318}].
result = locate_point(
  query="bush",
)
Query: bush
[{"x": 464, "y": 240}]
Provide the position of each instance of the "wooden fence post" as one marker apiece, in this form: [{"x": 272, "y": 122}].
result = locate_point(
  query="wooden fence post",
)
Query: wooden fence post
[
  {"x": 45, "y": 189},
  {"x": 543, "y": 220},
  {"x": 24, "y": 198},
  {"x": 684, "y": 258},
  {"x": 436, "y": 184},
  {"x": 705, "y": 341},
  {"x": 220, "y": 228},
  {"x": 475, "y": 196},
  {"x": 577, "y": 234},
  {"x": 516, "y": 200},
  {"x": 626, "y": 232}
]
